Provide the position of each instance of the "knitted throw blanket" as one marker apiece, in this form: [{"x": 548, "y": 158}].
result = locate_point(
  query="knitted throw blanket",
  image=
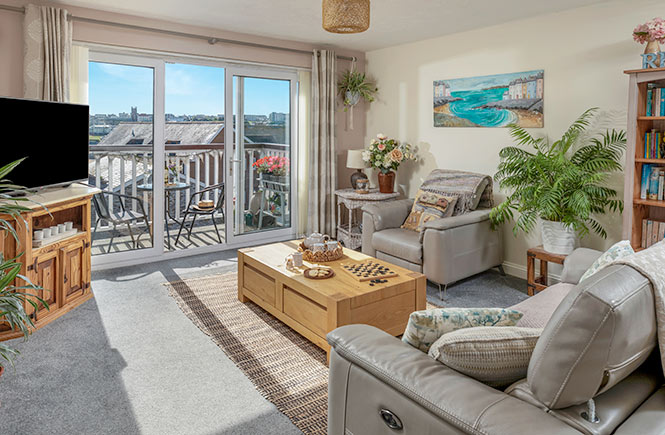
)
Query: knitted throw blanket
[
  {"x": 461, "y": 184},
  {"x": 649, "y": 263}
]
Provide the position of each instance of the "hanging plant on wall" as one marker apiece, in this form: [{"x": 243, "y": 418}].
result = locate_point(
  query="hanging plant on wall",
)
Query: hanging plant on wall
[{"x": 352, "y": 86}]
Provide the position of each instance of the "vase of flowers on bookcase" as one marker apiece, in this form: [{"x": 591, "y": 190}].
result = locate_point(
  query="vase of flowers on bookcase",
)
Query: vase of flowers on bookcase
[{"x": 652, "y": 33}]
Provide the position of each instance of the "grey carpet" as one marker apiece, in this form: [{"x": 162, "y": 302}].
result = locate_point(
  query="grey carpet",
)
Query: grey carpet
[{"x": 130, "y": 362}]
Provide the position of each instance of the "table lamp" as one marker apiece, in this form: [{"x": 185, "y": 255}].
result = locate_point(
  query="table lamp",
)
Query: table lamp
[{"x": 354, "y": 160}]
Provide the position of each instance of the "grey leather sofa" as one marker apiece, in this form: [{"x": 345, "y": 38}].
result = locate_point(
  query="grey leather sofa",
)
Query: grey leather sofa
[
  {"x": 599, "y": 343},
  {"x": 450, "y": 249}
]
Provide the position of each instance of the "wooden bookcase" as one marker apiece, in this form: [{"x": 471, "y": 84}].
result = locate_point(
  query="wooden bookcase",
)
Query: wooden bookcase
[
  {"x": 636, "y": 209},
  {"x": 61, "y": 268}
]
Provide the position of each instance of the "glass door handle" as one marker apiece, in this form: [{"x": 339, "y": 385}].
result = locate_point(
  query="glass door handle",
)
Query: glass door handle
[{"x": 236, "y": 161}]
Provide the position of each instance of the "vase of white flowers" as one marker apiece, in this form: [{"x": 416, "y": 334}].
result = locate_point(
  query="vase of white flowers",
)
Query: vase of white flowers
[{"x": 386, "y": 155}]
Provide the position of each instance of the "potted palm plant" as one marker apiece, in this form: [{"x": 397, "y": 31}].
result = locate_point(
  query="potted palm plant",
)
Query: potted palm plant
[
  {"x": 562, "y": 185},
  {"x": 13, "y": 297}
]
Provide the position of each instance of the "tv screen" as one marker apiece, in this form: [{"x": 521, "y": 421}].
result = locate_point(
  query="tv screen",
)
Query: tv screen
[{"x": 52, "y": 136}]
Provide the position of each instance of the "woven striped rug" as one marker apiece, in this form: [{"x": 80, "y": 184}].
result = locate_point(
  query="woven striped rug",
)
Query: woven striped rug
[{"x": 285, "y": 368}]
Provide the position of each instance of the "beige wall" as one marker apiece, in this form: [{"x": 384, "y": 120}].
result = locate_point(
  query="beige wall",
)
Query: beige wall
[
  {"x": 583, "y": 52},
  {"x": 11, "y": 55}
]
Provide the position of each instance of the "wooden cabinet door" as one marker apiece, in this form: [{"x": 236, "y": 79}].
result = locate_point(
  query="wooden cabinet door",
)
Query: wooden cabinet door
[
  {"x": 47, "y": 277},
  {"x": 74, "y": 267}
]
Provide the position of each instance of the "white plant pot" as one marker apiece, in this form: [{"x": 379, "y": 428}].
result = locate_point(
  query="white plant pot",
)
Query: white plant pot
[{"x": 557, "y": 238}]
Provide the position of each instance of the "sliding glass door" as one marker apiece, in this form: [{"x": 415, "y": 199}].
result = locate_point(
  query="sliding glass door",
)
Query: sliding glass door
[
  {"x": 124, "y": 105},
  {"x": 261, "y": 161},
  {"x": 192, "y": 155}
]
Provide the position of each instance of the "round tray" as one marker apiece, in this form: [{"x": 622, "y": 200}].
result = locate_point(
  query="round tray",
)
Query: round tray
[
  {"x": 308, "y": 273},
  {"x": 321, "y": 257}
]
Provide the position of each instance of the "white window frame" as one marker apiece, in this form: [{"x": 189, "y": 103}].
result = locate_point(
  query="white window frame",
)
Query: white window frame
[{"x": 157, "y": 61}]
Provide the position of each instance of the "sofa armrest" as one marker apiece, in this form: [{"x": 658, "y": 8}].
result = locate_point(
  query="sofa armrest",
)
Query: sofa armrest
[
  {"x": 578, "y": 262},
  {"x": 388, "y": 214},
  {"x": 472, "y": 217},
  {"x": 462, "y": 402}
]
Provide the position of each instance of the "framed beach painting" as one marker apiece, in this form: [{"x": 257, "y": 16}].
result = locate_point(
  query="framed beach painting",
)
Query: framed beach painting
[{"x": 490, "y": 101}]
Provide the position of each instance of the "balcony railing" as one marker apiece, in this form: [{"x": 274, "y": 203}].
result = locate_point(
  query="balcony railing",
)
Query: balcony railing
[{"x": 124, "y": 168}]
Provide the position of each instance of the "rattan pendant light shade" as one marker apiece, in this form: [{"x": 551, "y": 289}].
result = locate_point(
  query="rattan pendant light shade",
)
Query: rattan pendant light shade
[{"x": 346, "y": 16}]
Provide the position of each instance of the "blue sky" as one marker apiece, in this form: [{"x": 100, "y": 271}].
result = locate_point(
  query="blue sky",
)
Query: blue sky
[{"x": 190, "y": 90}]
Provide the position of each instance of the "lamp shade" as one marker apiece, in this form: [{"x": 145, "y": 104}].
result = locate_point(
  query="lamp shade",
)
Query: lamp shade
[
  {"x": 345, "y": 16},
  {"x": 354, "y": 159}
]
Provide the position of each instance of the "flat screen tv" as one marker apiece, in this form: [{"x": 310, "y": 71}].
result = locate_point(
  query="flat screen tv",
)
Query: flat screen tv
[{"x": 53, "y": 137}]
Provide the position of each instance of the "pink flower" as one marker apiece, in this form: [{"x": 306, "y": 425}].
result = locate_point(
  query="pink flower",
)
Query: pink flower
[
  {"x": 381, "y": 147},
  {"x": 653, "y": 30}
]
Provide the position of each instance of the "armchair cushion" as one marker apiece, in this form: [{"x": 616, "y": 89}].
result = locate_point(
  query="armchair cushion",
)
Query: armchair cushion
[
  {"x": 472, "y": 217},
  {"x": 400, "y": 243},
  {"x": 388, "y": 214},
  {"x": 577, "y": 263},
  {"x": 426, "y": 326},
  {"x": 429, "y": 206},
  {"x": 494, "y": 356},
  {"x": 618, "y": 250}
]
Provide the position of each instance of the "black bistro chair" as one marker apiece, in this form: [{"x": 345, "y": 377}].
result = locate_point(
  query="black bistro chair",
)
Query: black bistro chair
[
  {"x": 124, "y": 216},
  {"x": 194, "y": 210}
]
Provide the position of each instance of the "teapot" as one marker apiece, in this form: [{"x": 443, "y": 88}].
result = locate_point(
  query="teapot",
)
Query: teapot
[{"x": 315, "y": 238}]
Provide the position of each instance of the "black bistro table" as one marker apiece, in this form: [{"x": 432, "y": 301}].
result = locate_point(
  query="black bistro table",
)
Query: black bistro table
[{"x": 169, "y": 189}]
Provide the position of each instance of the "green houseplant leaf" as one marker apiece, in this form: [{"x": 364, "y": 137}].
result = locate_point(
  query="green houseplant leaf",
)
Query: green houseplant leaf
[
  {"x": 14, "y": 298},
  {"x": 563, "y": 181},
  {"x": 355, "y": 83}
]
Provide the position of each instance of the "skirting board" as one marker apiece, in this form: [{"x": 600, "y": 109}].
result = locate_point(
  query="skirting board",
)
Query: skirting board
[{"x": 519, "y": 270}]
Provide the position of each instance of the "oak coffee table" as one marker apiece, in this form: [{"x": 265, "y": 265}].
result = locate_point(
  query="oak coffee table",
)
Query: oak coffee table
[{"x": 314, "y": 307}]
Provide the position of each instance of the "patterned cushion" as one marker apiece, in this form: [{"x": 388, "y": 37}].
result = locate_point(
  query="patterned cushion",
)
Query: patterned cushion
[
  {"x": 618, "y": 250},
  {"x": 426, "y": 326},
  {"x": 428, "y": 206},
  {"x": 495, "y": 356}
]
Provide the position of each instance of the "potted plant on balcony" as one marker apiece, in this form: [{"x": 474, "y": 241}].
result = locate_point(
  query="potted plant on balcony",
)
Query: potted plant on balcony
[
  {"x": 562, "y": 185},
  {"x": 13, "y": 297}
]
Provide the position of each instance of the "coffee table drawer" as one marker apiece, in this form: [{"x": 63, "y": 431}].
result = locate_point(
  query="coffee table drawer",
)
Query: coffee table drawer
[
  {"x": 259, "y": 284},
  {"x": 305, "y": 311}
]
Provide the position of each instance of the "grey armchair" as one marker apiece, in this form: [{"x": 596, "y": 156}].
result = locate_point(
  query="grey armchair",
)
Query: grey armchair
[{"x": 450, "y": 249}]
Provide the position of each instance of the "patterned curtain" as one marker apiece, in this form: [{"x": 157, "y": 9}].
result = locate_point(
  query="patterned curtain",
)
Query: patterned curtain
[
  {"x": 322, "y": 165},
  {"x": 47, "y": 38}
]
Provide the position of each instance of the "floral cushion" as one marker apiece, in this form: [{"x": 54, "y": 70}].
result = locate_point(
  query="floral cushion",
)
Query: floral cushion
[
  {"x": 495, "y": 356},
  {"x": 426, "y": 326},
  {"x": 429, "y": 206},
  {"x": 618, "y": 250}
]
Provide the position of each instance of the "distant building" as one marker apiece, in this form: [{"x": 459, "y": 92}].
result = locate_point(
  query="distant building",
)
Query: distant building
[
  {"x": 278, "y": 117},
  {"x": 100, "y": 130},
  {"x": 531, "y": 88},
  {"x": 441, "y": 89},
  {"x": 135, "y": 114}
]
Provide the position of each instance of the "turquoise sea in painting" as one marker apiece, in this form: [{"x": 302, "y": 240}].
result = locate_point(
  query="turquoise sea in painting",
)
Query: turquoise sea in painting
[
  {"x": 490, "y": 101},
  {"x": 466, "y": 108}
]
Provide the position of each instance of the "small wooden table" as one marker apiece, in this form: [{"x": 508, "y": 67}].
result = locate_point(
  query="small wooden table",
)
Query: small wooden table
[
  {"x": 535, "y": 284},
  {"x": 315, "y": 307},
  {"x": 351, "y": 234}
]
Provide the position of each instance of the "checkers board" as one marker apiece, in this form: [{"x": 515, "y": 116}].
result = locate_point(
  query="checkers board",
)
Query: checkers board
[{"x": 368, "y": 270}]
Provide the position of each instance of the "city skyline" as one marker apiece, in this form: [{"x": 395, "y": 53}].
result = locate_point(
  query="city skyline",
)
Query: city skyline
[{"x": 189, "y": 90}]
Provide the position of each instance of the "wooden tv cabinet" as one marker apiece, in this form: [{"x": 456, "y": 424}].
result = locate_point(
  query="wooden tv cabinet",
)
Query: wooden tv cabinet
[{"x": 61, "y": 268}]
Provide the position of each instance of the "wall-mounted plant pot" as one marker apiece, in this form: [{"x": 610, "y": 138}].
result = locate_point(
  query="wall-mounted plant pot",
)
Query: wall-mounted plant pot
[{"x": 351, "y": 98}]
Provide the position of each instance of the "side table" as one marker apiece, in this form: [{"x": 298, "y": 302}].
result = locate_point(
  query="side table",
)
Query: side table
[
  {"x": 537, "y": 283},
  {"x": 351, "y": 234}
]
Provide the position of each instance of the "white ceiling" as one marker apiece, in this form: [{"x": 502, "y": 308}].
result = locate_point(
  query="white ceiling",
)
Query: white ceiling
[{"x": 392, "y": 22}]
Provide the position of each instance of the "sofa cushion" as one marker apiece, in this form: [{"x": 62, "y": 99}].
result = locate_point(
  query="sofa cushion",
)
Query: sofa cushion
[
  {"x": 601, "y": 332},
  {"x": 494, "y": 356},
  {"x": 399, "y": 243},
  {"x": 428, "y": 206},
  {"x": 426, "y": 326},
  {"x": 577, "y": 263},
  {"x": 618, "y": 250},
  {"x": 539, "y": 308}
]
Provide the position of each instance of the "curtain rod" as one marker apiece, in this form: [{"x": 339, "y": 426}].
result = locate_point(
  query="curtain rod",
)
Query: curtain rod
[{"x": 209, "y": 39}]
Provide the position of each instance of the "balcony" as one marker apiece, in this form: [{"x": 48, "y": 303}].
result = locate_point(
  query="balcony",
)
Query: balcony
[{"x": 127, "y": 169}]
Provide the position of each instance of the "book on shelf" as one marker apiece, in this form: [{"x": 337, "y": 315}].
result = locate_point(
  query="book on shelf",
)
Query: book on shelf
[
  {"x": 652, "y": 184},
  {"x": 655, "y": 101},
  {"x": 652, "y": 232},
  {"x": 654, "y": 144}
]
